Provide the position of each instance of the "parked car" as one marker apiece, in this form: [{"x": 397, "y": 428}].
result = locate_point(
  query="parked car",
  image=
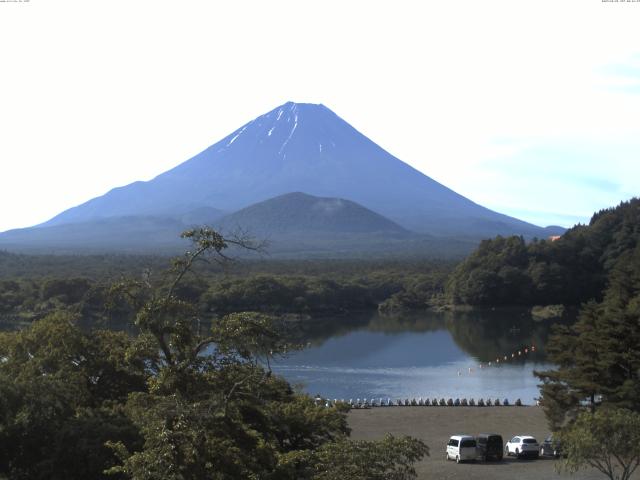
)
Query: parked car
[
  {"x": 489, "y": 446},
  {"x": 461, "y": 448},
  {"x": 550, "y": 447},
  {"x": 522, "y": 446}
]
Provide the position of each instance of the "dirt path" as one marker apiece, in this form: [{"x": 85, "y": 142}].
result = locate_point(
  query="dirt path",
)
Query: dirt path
[{"x": 434, "y": 425}]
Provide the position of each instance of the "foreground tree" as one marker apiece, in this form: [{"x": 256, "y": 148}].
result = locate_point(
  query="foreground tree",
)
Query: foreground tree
[
  {"x": 61, "y": 397},
  {"x": 172, "y": 403},
  {"x": 214, "y": 409},
  {"x": 389, "y": 459},
  {"x": 607, "y": 440},
  {"x": 598, "y": 359},
  {"x": 576, "y": 351}
]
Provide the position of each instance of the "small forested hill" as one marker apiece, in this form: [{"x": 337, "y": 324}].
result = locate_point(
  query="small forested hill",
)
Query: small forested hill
[
  {"x": 301, "y": 213},
  {"x": 299, "y": 225},
  {"x": 570, "y": 270}
]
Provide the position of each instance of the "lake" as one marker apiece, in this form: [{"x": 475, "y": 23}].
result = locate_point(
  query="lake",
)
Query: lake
[{"x": 427, "y": 355}]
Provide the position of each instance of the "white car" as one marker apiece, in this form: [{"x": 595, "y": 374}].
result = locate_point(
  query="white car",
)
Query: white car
[
  {"x": 522, "y": 446},
  {"x": 461, "y": 448}
]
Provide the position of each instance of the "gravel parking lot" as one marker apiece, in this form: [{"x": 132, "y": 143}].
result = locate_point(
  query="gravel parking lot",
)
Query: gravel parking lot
[{"x": 434, "y": 425}]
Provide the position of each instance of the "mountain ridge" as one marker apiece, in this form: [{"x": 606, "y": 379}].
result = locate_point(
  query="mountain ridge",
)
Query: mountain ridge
[
  {"x": 302, "y": 147},
  {"x": 296, "y": 147}
]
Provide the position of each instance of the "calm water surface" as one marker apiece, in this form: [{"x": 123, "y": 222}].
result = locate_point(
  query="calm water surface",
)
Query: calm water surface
[
  {"x": 431, "y": 355},
  {"x": 428, "y": 355}
]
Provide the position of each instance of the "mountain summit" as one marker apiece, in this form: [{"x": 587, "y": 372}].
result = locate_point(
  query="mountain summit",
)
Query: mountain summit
[{"x": 301, "y": 147}]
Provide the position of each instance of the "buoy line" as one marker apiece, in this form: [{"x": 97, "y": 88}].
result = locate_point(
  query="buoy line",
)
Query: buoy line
[{"x": 501, "y": 359}]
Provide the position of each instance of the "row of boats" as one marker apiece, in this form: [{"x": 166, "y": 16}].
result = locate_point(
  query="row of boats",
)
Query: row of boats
[{"x": 420, "y": 402}]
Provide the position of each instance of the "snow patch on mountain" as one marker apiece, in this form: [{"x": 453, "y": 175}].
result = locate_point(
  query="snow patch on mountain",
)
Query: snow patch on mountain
[{"x": 235, "y": 137}]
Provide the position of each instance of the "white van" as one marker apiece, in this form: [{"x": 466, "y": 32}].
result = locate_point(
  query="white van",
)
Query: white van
[{"x": 461, "y": 448}]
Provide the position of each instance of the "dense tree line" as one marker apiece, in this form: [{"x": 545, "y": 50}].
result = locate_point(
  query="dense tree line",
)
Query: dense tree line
[
  {"x": 15, "y": 266},
  {"x": 325, "y": 294},
  {"x": 278, "y": 287},
  {"x": 570, "y": 270},
  {"x": 171, "y": 402},
  {"x": 291, "y": 294},
  {"x": 418, "y": 292}
]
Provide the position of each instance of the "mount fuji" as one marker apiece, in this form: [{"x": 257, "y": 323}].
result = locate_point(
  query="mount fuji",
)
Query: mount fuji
[{"x": 296, "y": 147}]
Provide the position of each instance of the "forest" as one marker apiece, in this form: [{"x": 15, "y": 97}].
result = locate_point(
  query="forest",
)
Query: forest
[
  {"x": 33, "y": 286},
  {"x": 569, "y": 270}
]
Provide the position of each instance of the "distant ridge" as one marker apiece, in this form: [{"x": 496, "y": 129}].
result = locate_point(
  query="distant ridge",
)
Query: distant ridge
[{"x": 129, "y": 233}]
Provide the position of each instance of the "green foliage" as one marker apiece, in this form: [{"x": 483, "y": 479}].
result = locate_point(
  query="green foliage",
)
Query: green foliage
[
  {"x": 69, "y": 290},
  {"x": 570, "y": 270},
  {"x": 388, "y": 459},
  {"x": 60, "y": 390},
  {"x": 598, "y": 357},
  {"x": 251, "y": 334},
  {"x": 418, "y": 292},
  {"x": 35, "y": 286},
  {"x": 170, "y": 402},
  {"x": 288, "y": 294},
  {"x": 608, "y": 440},
  {"x": 493, "y": 274}
]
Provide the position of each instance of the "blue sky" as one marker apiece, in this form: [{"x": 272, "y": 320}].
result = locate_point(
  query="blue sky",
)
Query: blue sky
[{"x": 528, "y": 108}]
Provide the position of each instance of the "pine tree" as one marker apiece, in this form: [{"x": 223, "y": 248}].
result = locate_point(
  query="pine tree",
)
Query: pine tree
[{"x": 598, "y": 358}]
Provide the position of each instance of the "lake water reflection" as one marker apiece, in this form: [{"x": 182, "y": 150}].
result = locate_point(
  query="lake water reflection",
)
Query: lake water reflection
[{"x": 428, "y": 355}]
